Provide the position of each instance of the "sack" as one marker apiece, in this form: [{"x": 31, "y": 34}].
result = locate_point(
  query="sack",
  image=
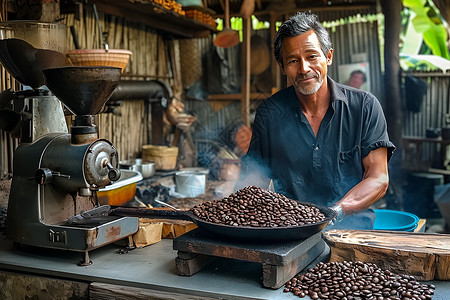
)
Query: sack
[{"x": 415, "y": 90}]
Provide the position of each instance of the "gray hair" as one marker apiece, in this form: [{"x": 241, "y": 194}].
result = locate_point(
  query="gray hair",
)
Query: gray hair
[{"x": 298, "y": 24}]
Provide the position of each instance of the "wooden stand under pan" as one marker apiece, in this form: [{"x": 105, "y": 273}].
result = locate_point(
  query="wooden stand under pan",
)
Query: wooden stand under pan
[{"x": 280, "y": 260}]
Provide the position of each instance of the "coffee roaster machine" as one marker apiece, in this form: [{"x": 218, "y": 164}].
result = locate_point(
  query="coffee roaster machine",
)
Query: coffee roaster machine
[{"x": 56, "y": 173}]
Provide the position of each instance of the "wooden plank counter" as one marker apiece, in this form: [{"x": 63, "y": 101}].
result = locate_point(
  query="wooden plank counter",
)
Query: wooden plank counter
[{"x": 423, "y": 255}]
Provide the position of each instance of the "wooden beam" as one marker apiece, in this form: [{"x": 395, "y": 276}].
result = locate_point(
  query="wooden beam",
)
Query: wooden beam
[
  {"x": 155, "y": 17},
  {"x": 245, "y": 74},
  {"x": 313, "y": 9}
]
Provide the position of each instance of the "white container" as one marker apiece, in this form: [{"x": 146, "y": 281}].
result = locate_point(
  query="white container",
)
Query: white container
[
  {"x": 190, "y": 184},
  {"x": 195, "y": 170}
]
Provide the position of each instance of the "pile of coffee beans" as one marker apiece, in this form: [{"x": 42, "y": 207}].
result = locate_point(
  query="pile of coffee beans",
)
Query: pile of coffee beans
[
  {"x": 256, "y": 207},
  {"x": 356, "y": 280}
]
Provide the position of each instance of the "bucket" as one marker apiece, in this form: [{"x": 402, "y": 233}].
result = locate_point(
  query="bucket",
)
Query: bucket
[
  {"x": 190, "y": 184},
  {"x": 395, "y": 220}
]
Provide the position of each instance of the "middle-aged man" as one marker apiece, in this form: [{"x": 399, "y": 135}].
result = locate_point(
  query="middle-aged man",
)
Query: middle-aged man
[{"x": 319, "y": 141}]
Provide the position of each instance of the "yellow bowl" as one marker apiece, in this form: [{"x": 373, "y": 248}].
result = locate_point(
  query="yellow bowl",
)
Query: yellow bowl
[{"x": 121, "y": 191}]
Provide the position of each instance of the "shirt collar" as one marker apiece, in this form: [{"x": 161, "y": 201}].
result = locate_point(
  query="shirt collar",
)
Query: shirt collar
[{"x": 335, "y": 92}]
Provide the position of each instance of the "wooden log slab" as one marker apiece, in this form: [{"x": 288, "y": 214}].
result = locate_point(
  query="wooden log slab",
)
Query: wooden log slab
[{"x": 423, "y": 255}]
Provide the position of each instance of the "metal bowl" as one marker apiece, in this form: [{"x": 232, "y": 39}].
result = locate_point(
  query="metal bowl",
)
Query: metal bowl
[{"x": 146, "y": 168}]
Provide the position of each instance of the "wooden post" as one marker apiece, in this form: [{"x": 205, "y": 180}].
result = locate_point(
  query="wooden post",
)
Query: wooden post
[
  {"x": 444, "y": 7},
  {"x": 392, "y": 17},
  {"x": 393, "y": 100},
  {"x": 245, "y": 80}
]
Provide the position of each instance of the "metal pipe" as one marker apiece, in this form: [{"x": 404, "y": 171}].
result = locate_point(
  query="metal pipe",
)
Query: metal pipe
[{"x": 142, "y": 90}]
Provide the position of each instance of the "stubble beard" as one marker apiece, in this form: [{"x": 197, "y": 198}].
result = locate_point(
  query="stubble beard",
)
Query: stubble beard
[{"x": 310, "y": 91}]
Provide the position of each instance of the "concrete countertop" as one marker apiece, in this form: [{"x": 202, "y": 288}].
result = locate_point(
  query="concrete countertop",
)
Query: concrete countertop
[{"x": 152, "y": 267}]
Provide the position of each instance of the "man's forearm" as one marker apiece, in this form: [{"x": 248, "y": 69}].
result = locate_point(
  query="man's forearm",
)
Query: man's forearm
[{"x": 364, "y": 194}]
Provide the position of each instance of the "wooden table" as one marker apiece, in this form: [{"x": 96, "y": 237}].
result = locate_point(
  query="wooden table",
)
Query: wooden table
[{"x": 145, "y": 273}]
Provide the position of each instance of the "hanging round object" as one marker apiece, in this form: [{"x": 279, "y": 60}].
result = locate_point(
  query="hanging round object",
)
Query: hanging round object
[{"x": 259, "y": 55}]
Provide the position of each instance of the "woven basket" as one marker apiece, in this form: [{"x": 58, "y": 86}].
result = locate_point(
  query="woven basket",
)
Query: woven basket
[
  {"x": 99, "y": 57},
  {"x": 191, "y": 63},
  {"x": 164, "y": 157}
]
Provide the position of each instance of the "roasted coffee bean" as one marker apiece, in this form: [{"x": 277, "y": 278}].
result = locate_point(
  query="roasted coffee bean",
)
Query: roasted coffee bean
[
  {"x": 367, "y": 281},
  {"x": 256, "y": 207}
]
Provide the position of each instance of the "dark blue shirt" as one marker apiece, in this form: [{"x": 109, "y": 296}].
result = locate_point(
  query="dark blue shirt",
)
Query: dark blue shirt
[{"x": 318, "y": 169}]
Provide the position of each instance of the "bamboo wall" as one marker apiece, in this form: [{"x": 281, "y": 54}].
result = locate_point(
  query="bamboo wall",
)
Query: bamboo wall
[
  {"x": 7, "y": 143},
  {"x": 128, "y": 129},
  {"x": 153, "y": 58}
]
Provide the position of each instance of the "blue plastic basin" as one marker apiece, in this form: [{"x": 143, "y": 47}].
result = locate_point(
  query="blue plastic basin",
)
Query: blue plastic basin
[{"x": 395, "y": 220}]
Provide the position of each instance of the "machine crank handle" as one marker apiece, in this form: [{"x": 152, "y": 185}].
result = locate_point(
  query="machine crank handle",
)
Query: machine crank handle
[
  {"x": 45, "y": 175},
  {"x": 113, "y": 173}
]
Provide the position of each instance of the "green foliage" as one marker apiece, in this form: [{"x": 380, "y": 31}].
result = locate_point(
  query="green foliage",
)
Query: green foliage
[
  {"x": 236, "y": 24},
  {"x": 427, "y": 22}
]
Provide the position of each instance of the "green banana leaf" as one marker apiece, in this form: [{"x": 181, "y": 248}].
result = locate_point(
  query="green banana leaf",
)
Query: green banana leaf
[{"x": 432, "y": 29}]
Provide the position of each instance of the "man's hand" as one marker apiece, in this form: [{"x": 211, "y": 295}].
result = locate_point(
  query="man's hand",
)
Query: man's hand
[
  {"x": 339, "y": 214},
  {"x": 243, "y": 137}
]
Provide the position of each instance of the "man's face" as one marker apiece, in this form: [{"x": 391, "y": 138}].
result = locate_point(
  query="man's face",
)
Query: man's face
[
  {"x": 304, "y": 63},
  {"x": 356, "y": 80}
]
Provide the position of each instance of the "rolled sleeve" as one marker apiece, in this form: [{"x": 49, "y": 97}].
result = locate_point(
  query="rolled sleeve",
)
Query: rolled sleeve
[{"x": 375, "y": 128}]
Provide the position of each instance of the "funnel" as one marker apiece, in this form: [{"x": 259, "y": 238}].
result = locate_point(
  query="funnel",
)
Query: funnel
[{"x": 83, "y": 90}]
